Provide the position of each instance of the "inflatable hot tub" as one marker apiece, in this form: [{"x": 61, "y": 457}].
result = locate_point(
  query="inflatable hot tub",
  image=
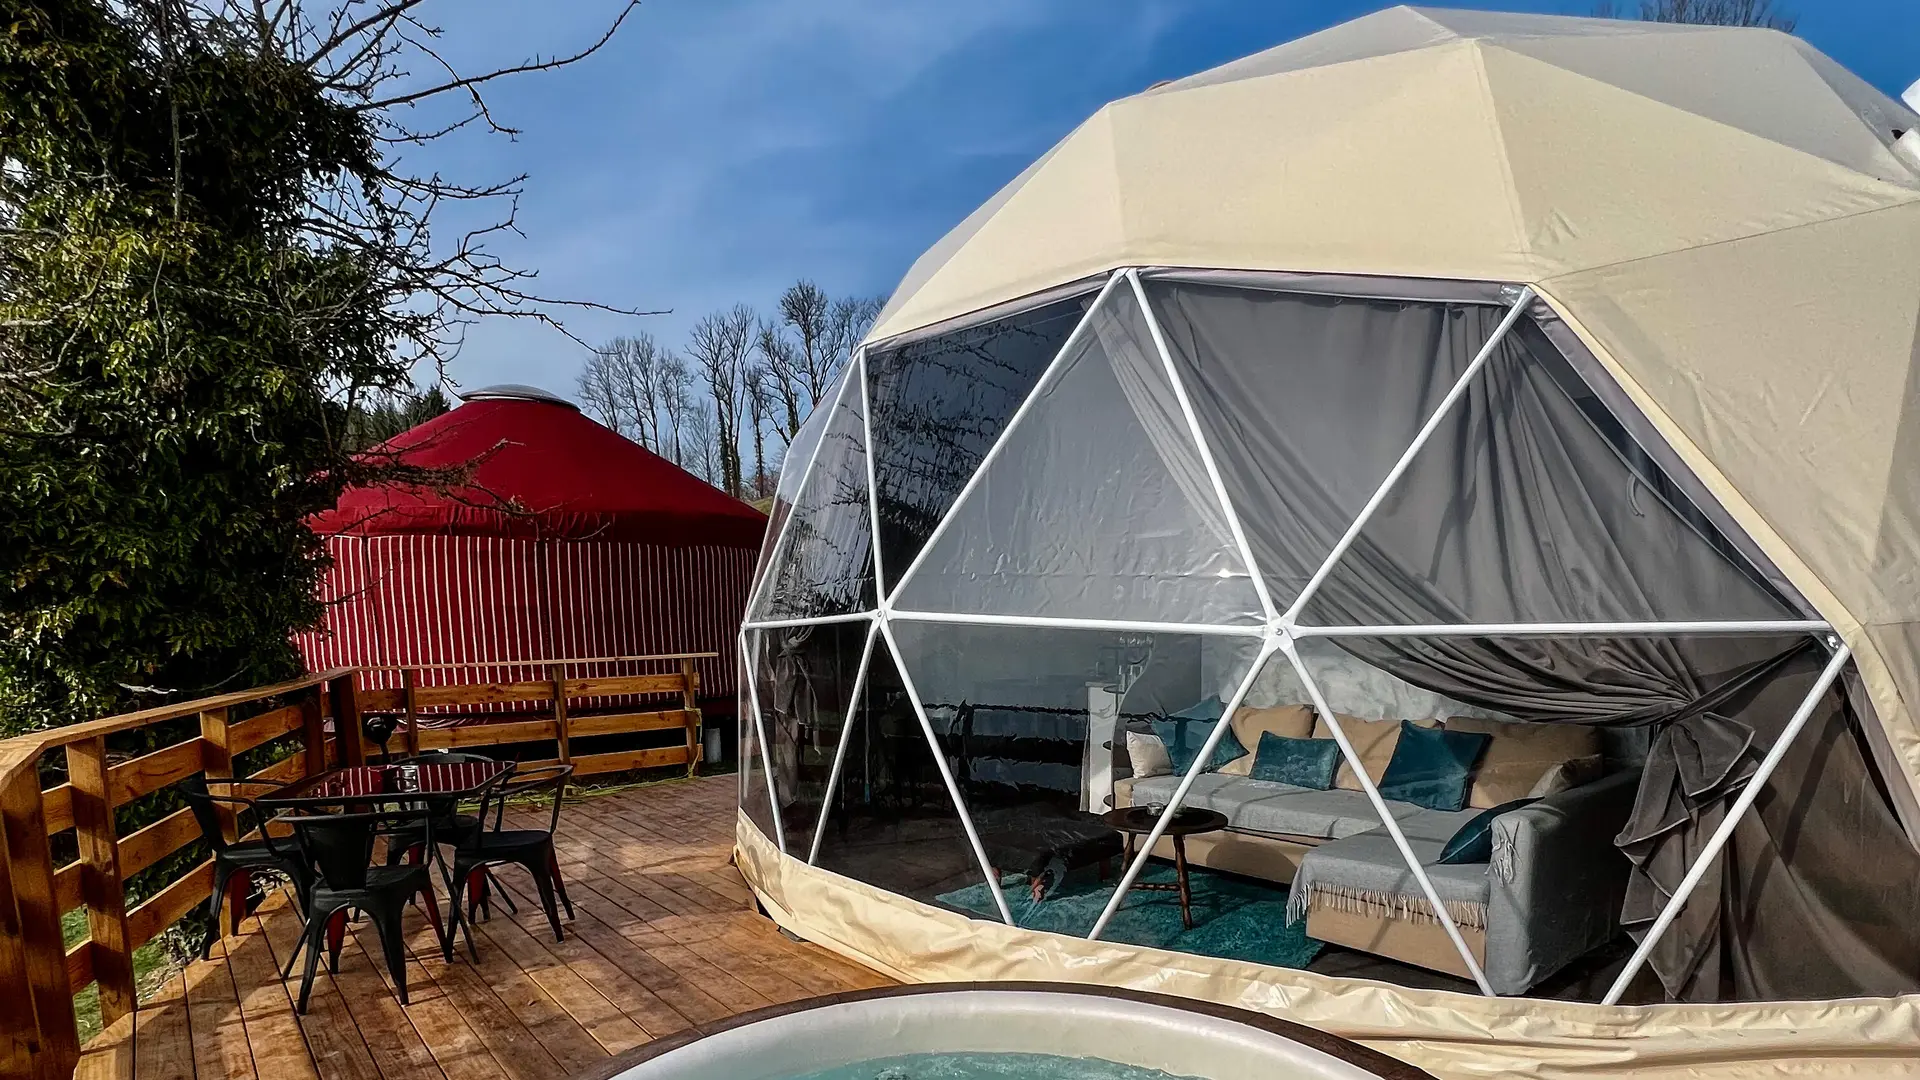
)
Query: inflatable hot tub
[{"x": 1146, "y": 1031}]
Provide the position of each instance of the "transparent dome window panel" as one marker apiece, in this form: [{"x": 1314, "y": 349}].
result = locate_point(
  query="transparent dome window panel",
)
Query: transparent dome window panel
[
  {"x": 793, "y": 467},
  {"x": 1636, "y": 747},
  {"x": 938, "y": 406},
  {"x": 754, "y": 797},
  {"x": 1034, "y": 723},
  {"x": 807, "y": 687},
  {"x": 824, "y": 565},
  {"x": 1307, "y": 401},
  {"x": 890, "y": 821},
  {"x": 1522, "y": 509},
  {"x": 1096, "y": 504}
]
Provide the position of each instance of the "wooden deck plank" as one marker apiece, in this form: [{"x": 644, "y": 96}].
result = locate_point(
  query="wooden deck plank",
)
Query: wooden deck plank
[
  {"x": 640, "y": 1004},
  {"x": 340, "y": 1050},
  {"x": 457, "y": 1050},
  {"x": 220, "y": 1046},
  {"x": 665, "y": 939},
  {"x": 530, "y": 948},
  {"x": 716, "y": 941},
  {"x": 519, "y": 1053},
  {"x": 713, "y": 980},
  {"x": 280, "y": 1048},
  {"x": 540, "y": 1011},
  {"x": 110, "y": 1055},
  {"x": 669, "y": 985},
  {"x": 162, "y": 1039}
]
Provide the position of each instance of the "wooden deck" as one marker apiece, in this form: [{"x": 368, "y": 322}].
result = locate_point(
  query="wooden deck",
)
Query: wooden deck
[{"x": 665, "y": 939}]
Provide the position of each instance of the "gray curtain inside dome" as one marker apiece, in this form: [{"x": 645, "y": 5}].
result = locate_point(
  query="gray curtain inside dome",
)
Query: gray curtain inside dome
[{"x": 1530, "y": 504}]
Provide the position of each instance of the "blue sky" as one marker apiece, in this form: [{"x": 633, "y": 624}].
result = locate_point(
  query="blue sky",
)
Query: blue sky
[{"x": 716, "y": 150}]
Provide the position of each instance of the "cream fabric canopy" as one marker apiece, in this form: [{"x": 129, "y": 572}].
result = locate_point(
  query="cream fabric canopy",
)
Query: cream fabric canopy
[{"x": 1719, "y": 213}]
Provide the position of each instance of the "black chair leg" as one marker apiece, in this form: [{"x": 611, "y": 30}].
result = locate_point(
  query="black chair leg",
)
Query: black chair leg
[
  {"x": 559, "y": 885},
  {"x": 463, "y": 920},
  {"x": 304, "y": 941},
  {"x": 336, "y": 937},
  {"x": 387, "y": 925},
  {"x": 544, "y": 883},
  {"x": 316, "y": 944},
  {"x": 507, "y": 899},
  {"x": 216, "y": 905}
]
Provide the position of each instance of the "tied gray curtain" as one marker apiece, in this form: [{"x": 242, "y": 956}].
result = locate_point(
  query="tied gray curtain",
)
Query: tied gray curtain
[{"x": 1530, "y": 505}]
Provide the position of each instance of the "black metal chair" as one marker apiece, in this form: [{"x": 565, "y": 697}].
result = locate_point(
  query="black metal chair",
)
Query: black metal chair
[
  {"x": 530, "y": 848},
  {"x": 340, "y": 848},
  {"x": 235, "y": 862}
]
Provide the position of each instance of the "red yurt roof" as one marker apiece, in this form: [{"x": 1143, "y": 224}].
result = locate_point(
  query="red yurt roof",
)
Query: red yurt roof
[{"x": 544, "y": 470}]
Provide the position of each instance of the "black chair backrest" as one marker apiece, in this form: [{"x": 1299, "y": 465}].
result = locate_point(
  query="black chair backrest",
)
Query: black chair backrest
[
  {"x": 205, "y": 802},
  {"x": 524, "y": 784},
  {"x": 205, "y": 814},
  {"x": 340, "y": 846}
]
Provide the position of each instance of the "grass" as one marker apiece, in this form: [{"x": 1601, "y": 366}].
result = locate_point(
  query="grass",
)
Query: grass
[{"x": 152, "y": 967}]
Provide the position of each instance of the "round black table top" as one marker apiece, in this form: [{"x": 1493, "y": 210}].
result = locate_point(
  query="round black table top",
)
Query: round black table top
[
  {"x": 456, "y": 781},
  {"x": 1141, "y": 819}
]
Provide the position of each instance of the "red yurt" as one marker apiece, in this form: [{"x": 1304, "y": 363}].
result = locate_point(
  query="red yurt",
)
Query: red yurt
[{"x": 570, "y": 541}]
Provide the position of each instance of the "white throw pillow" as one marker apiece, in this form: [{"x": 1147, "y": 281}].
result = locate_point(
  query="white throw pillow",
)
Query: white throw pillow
[
  {"x": 1566, "y": 776},
  {"x": 1148, "y": 755}
]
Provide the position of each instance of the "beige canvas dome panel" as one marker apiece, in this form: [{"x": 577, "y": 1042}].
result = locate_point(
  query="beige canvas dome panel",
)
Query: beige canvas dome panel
[
  {"x": 1738, "y": 247},
  {"x": 1787, "y": 362}
]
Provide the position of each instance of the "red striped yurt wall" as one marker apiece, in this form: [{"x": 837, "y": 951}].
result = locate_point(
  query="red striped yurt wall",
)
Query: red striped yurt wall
[{"x": 482, "y": 602}]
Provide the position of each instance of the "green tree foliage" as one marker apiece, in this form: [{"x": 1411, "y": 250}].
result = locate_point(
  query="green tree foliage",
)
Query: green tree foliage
[
  {"x": 374, "y": 422},
  {"x": 207, "y": 264}
]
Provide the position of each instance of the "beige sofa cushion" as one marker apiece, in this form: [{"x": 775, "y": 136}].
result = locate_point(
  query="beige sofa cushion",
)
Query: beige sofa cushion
[
  {"x": 1286, "y": 721},
  {"x": 1147, "y": 756},
  {"x": 1521, "y": 754},
  {"x": 1373, "y": 740}
]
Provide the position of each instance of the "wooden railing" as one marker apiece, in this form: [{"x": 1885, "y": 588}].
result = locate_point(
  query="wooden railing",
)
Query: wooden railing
[{"x": 315, "y": 722}]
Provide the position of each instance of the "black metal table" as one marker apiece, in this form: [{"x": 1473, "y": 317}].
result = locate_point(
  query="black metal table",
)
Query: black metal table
[{"x": 450, "y": 783}]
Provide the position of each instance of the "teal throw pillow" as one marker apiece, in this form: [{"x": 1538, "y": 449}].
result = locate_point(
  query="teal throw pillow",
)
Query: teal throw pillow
[
  {"x": 1307, "y": 763},
  {"x": 1186, "y": 731},
  {"x": 1433, "y": 767},
  {"x": 1473, "y": 843}
]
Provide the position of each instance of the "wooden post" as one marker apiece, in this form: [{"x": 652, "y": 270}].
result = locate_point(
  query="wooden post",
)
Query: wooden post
[
  {"x": 690, "y": 701},
  {"x": 19, "y": 1038},
  {"x": 409, "y": 684},
  {"x": 31, "y": 864},
  {"x": 313, "y": 736},
  {"x": 347, "y": 720},
  {"x": 216, "y": 760},
  {"x": 100, "y": 880},
  {"x": 558, "y": 673}
]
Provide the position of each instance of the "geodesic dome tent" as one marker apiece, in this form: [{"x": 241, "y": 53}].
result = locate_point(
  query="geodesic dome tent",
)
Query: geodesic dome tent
[{"x": 1537, "y": 378}]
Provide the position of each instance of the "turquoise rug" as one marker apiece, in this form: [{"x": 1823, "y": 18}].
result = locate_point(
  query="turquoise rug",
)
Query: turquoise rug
[{"x": 1233, "y": 918}]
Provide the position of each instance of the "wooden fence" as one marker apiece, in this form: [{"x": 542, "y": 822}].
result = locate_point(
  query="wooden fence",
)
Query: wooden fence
[{"x": 316, "y": 721}]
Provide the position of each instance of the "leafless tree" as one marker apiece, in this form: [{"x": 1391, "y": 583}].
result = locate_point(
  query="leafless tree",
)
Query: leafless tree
[
  {"x": 677, "y": 402},
  {"x": 814, "y": 340},
  {"x": 759, "y": 405},
  {"x": 781, "y": 357},
  {"x": 1705, "y": 12},
  {"x": 703, "y": 447},
  {"x": 720, "y": 345},
  {"x": 623, "y": 384},
  {"x": 600, "y": 394}
]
